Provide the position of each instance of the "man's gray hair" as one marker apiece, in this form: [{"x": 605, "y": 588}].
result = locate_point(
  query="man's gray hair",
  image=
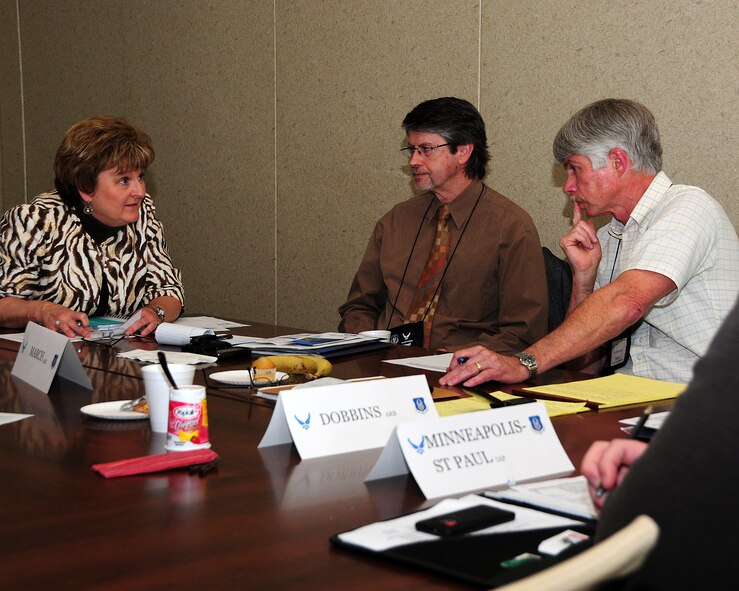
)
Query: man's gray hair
[{"x": 600, "y": 127}]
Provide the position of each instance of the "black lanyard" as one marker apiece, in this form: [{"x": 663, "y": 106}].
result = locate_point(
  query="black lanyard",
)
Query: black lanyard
[{"x": 446, "y": 266}]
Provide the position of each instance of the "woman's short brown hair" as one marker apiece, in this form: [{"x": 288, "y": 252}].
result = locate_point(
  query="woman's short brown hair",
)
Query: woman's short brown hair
[{"x": 97, "y": 144}]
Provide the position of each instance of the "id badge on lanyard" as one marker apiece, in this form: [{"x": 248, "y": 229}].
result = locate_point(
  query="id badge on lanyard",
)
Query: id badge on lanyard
[
  {"x": 409, "y": 335},
  {"x": 618, "y": 350}
]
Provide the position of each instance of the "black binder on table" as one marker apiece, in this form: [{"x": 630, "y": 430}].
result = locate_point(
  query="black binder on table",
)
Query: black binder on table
[{"x": 477, "y": 559}]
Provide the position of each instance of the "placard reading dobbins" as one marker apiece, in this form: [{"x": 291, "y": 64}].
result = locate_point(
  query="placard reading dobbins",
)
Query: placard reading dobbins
[
  {"x": 461, "y": 453},
  {"x": 347, "y": 417}
]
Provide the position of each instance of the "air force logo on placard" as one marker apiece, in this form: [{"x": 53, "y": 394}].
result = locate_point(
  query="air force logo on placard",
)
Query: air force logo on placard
[
  {"x": 536, "y": 423},
  {"x": 305, "y": 424},
  {"x": 420, "y": 404},
  {"x": 420, "y": 448}
]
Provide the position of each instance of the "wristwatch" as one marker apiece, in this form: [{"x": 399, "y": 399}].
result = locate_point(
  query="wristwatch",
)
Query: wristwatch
[
  {"x": 529, "y": 362},
  {"x": 159, "y": 312}
]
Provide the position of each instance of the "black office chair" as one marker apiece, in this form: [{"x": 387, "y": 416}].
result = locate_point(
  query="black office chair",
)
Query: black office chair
[{"x": 559, "y": 281}]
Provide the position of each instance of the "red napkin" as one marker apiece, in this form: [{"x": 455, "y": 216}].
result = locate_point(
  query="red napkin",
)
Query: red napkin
[{"x": 157, "y": 463}]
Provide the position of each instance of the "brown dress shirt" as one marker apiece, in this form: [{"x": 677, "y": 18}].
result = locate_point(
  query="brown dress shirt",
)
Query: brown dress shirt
[{"x": 494, "y": 292}]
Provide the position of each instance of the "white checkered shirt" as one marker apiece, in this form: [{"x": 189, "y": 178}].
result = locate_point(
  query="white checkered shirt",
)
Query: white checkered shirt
[{"x": 684, "y": 234}]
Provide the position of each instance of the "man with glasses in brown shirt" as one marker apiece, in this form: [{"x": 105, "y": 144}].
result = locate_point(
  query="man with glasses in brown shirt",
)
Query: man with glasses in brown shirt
[{"x": 459, "y": 263}]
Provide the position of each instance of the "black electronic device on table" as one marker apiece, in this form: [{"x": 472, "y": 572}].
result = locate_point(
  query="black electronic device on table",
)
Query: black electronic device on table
[
  {"x": 216, "y": 346},
  {"x": 465, "y": 520}
]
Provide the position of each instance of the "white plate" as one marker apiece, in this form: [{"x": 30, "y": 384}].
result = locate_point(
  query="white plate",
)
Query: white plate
[
  {"x": 112, "y": 410},
  {"x": 240, "y": 377}
]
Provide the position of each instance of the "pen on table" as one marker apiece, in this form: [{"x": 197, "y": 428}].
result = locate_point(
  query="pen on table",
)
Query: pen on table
[
  {"x": 636, "y": 431},
  {"x": 497, "y": 402},
  {"x": 634, "y": 434}
]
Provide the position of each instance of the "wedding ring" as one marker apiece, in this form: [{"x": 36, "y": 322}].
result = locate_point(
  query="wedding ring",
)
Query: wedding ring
[
  {"x": 478, "y": 366},
  {"x": 58, "y": 323}
]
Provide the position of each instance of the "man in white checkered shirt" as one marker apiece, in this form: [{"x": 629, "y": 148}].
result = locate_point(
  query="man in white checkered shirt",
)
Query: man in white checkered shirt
[{"x": 651, "y": 288}]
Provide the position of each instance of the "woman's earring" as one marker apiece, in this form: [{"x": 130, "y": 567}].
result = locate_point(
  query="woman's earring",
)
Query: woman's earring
[{"x": 87, "y": 209}]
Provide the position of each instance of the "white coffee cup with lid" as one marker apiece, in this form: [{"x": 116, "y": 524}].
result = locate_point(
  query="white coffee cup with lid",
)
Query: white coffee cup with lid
[
  {"x": 383, "y": 335},
  {"x": 156, "y": 388}
]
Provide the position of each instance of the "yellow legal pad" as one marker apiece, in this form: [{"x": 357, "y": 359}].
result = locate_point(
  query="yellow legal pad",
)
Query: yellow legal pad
[{"x": 616, "y": 390}]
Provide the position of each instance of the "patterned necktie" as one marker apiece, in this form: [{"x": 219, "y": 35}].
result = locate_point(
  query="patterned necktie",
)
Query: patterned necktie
[{"x": 427, "y": 294}]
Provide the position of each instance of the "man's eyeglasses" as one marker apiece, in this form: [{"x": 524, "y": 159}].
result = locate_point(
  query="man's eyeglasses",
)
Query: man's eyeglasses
[{"x": 424, "y": 151}]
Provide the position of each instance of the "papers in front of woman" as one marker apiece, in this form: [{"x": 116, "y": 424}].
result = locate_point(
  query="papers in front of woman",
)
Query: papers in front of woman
[
  {"x": 564, "y": 495},
  {"x": 168, "y": 333},
  {"x": 172, "y": 357}
]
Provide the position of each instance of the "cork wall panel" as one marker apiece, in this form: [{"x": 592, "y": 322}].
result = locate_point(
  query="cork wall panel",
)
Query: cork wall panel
[
  {"x": 347, "y": 73},
  {"x": 12, "y": 181},
  {"x": 203, "y": 74},
  {"x": 73, "y": 67},
  {"x": 543, "y": 61}
]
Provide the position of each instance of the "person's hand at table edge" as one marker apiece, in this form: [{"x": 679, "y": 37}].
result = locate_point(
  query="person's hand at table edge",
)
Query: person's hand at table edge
[{"x": 481, "y": 365}]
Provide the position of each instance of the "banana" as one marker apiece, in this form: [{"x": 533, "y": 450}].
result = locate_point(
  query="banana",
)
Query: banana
[{"x": 308, "y": 365}]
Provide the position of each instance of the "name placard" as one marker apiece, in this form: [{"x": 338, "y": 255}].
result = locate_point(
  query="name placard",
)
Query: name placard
[
  {"x": 44, "y": 353},
  {"x": 476, "y": 450},
  {"x": 352, "y": 416}
]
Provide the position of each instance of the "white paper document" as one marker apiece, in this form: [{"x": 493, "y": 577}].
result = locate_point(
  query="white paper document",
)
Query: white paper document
[
  {"x": 654, "y": 421},
  {"x": 172, "y": 357},
  {"x": 17, "y": 337},
  {"x": 382, "y": 535},
  {"x": 208, "y": 322},
  {"x": 567, "y": 495},
  {"x": 168, "y": 333},
  {"x": 11, "y": 417},
  {"x": 438, "y": 363}
]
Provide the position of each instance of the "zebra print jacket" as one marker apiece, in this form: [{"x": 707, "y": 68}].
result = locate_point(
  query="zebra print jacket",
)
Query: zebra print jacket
[{"x": 45, "y": 254}]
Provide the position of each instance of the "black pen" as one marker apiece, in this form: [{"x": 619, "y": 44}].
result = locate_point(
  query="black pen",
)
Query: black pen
[
  {"x": 636, "y": 431},
  {"x": 497, "y": 402},
  {"x": 634, "y": 434}
]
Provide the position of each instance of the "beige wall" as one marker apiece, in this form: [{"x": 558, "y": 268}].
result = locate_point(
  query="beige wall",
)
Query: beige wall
[{"x": 277, "y": 122}]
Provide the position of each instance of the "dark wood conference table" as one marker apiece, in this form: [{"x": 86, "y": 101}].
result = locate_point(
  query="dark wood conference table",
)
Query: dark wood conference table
[{"x": 262, "y": 520}]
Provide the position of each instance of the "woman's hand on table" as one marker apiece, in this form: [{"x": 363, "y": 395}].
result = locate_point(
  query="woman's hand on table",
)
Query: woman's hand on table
[
  {"x": 61, "y": 319},
  {"x": 146, "y": 325}
]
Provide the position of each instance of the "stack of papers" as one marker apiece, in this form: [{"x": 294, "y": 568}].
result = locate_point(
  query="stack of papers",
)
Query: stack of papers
[
  {"x": 117, "y": 324},
  {"x": 106, "y": 322},
  {"x": 304, "y": 343},
  {"x": 615, "y": 390},
  {"x": 400, "y": 531},
  {"x": 567, "y": 496}
]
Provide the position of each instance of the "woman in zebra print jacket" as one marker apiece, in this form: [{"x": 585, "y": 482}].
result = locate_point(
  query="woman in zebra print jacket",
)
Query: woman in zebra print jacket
[{"x": 95, "y": 245}]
